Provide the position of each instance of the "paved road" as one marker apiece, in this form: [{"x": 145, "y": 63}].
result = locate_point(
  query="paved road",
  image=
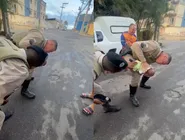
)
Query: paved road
[
  {"x": 55, "y": 114},
  {"x": 162, "y": 109}
]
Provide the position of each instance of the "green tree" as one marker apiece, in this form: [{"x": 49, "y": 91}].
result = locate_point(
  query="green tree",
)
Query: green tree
[
  {"x": 5, "y": 8},
  {"x": 145, "y": 12},
  {"x": 105, "y": 8}
]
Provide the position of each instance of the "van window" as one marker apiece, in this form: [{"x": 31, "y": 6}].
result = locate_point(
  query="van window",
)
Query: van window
[
  {"x": 99, "y": 36},
  {"x": 118, "y": 29}
]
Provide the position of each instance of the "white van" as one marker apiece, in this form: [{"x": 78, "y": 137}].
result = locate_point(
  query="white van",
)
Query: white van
[{"x": 108, "y": 30}]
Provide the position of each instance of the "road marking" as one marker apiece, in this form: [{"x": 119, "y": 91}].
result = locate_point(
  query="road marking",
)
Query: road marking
[
  {"x": 143, "y": 123},
  {"x": 66, "y": 124},
  {"x": 50, "y": 109},
  {"x": 177, "y": 111},
  {"x": 64, "y": 127},
  {"x": 183, "y": 105},
  {"x": 156, "y": 136},
  {"x": 64, "y": 88},
  {"x": 82, "y": 86}
]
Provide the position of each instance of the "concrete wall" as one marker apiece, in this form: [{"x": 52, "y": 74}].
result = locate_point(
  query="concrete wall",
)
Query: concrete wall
[
  {"x": 179, "y": 18},
  {"x": 172, "y": 33},
  {"x": 43, "y": 10},
  {"x": 52, "y": 23},
  {"x": 88, "y": 17},
  {"x": 90, "y": 30},
  {"x": 21, "y": 23},
  {"x": 180, "y": 13},
  {"x": 79, "y": 25},
  {"x": 20, "y": 8}
]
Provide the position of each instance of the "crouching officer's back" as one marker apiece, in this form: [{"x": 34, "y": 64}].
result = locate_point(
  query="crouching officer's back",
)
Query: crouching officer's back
[
  {"x": 33, "y": 37},
  {"x": 14, "y": 69}
]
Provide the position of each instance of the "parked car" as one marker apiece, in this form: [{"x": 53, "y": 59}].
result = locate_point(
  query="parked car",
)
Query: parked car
[{"x": 107, "y": 32}]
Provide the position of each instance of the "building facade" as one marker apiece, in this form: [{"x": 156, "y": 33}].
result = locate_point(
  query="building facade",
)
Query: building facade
[
  {"x": 27, "y": 14},
  {"x": 30, "y": 8},
  {"x": 89, "y": 18},
  {"x": 176, "y": 17}
]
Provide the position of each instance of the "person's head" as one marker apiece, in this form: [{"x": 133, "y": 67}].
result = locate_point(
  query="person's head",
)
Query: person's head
[
  {"x": 50, "y": 46},
  {"x": 164, "y": 58},
  {"x": 36, "y": 56},
  {"x": 132, "y": 29},
  {"x": 112, "y": 62}
]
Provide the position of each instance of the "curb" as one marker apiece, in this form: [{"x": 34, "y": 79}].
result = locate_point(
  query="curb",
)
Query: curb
[{"x": 82, "y": 34}]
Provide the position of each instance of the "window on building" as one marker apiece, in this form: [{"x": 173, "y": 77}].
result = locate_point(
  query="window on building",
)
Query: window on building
[
  {"x": 171, "y": 21},
  {"x": 31, "y": 12},
  {"x": 14, "y": 8},
  {"x": 34, "y": 14}
]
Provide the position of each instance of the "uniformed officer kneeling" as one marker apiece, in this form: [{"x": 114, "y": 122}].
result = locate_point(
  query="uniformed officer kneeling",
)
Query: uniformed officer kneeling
[
  {"x": 111, "y": 62},
  {"x": 15, "y": 64}
]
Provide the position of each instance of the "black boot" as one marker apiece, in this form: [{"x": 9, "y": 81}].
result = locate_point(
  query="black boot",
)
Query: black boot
[
  {"x": 8, "y": 115},
  {"x": 110, "y": 108},
  {"x": 143, "y": 81},
  {"x": 133, "y": 98},
  {"x": 32, "y": 78},
  {"x": 106, "y": 106},
  {"x": 25, "y": 91}
]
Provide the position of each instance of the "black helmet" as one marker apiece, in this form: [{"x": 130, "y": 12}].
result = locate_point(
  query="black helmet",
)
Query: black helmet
[{"x": 116, "y": 61}]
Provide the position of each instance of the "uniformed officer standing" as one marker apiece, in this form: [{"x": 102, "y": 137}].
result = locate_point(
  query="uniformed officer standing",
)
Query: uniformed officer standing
[
  {"x": 33, "y": 37},
  {"x": 147, "y": 52},
  {"x": 14, "y": 69},
  {"x": 112, "y": 63}
]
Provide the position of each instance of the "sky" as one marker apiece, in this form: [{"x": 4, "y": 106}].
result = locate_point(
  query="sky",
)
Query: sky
[{"x": 69, "y": 12}]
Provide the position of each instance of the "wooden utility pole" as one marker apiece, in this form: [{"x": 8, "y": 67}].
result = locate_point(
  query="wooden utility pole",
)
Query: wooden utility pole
[{"x": 88, "y": 8}]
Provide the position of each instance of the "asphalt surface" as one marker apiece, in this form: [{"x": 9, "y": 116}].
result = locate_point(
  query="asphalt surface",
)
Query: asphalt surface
[
  {"x": 55, "y": 114},
  {"x": 162, "y": 108}
]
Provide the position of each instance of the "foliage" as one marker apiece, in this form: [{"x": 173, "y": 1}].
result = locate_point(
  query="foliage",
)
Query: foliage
[
  {"x": 148, "y": 13},
  {"x": 105, "y": 8},
  {"x": 6, "y": 7}
]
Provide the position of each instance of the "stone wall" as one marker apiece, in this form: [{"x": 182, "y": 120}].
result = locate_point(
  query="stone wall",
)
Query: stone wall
[{"x": 172, "y": 33}]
